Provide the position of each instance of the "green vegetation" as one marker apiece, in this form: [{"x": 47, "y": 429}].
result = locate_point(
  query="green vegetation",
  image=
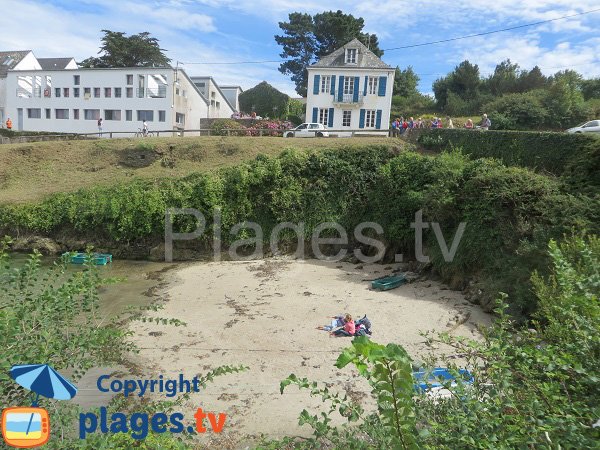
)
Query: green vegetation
[
  {"x": 32, "y": 171},
  {"x": 545, "y": 151},
  {"x": 265, "y": 100},
  {"x": 137, "y": 50},
  {"x": 511, "y": 212},
  {"x": 533, "y": 388}
]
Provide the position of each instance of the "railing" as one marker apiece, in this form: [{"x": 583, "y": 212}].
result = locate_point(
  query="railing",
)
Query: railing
[
  {"x": 157, "y": 92},
  {"x": 349, "y": 99}
]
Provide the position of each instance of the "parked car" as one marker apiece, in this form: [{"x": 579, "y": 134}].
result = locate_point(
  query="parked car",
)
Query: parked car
[
  {"x": 593, "y": 126},
  {"x": 307, "y": 130}
]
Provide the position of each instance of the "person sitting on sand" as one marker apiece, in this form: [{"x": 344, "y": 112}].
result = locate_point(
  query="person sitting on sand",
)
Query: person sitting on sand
[
  {"x": 348, "y": 330},
  {"x": 338, "y": 321}
]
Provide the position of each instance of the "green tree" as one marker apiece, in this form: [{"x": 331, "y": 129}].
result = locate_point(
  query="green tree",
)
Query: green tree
[
  {"x": 504, "y": 79},
  {"x": 119, "y": 50},
  {"x": 264, "y": 100},
  {"x": 306, "y": 38},
  {"x": 590, "y": 88},
  {"x": 405, "y": 82},
  {"x": 464, "y": 81},
  {"x": 534, "y": 79}
]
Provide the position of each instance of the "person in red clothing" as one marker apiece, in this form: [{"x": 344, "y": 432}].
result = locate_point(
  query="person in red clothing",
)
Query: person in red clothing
[{"x": 348, "y": 330}]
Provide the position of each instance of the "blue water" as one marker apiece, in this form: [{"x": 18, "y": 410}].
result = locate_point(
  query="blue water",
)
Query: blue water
[{"x": 19, "y": 423}]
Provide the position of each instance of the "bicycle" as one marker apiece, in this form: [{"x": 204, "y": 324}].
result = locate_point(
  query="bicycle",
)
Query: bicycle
[{"x": 144, "y": 133}]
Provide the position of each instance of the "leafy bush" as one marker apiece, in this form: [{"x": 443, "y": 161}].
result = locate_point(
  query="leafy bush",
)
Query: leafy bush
[
  {"x": 220, "y": 126},
  {"x": 537, "y": 150},
  {"x": 517, "y": 111}
]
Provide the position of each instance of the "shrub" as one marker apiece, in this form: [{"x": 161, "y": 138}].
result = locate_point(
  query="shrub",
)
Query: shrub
[
  {"x": 517, "y": 111},
  {"x": 547, "y": 151},
  {"x": 220, "y": 126}
]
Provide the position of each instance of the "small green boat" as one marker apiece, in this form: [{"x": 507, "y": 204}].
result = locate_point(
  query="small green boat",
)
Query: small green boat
[
  {"x": 99, "y": 259},
  {"x": 387, "y": 283}
]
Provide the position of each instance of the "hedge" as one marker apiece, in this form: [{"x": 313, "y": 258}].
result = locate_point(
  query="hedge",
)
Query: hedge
[{"x": 544, "y": 151}]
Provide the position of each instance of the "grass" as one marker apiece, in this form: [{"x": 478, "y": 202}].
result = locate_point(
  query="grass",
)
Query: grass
[{"x": 32, "y": 171}]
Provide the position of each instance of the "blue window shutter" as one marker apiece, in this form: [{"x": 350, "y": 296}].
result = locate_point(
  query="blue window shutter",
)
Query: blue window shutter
[
  {"x": 361, "y": 120},
  {"x": 330, "y": 120},
  {"x": 382, "y": 86},
  {"x": 315, "y": 114},
  {"x": 333, "y": 86},
  {"x": 378, "y": 120},
  {"x": 341, "y": 89},
  {"x": 366, "y": 83},
  {"x": 356, "y": 81},
  {"x": 317, "y": 85}
]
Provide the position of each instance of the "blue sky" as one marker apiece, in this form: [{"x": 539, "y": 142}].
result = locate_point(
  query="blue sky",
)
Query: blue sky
[{"x": 211, "y": 31}]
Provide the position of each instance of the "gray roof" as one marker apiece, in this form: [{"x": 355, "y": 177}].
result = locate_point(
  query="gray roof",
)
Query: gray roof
[
  {"x": 54, "y": 63},
  {"x": 8, "y": 60},
  {"x": 366, "y": 59}
]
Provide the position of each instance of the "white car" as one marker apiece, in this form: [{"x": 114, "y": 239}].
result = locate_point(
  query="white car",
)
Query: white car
[
  {"x": 593, "y": 126},
  {"x": 307, "y": 130}
]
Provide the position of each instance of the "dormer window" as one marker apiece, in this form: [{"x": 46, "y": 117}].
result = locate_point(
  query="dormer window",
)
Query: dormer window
[{"x": 351, "y": 55}]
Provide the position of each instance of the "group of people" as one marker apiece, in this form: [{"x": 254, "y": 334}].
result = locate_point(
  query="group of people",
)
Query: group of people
[
  {"x": 402, "y": 125},
  {"x": 343, "y": 325}
]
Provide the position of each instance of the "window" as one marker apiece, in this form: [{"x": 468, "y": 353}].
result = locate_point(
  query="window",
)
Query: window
[
  {"x": 97, "y": 92},
  {"x": 212, "y": 103},
  {"x": 145, "y": 114},
  {"x": 48, "y": 113},
  {"x": 129, "y": 92},
  {"x": 325, "y": 84},
  {"x": 162, "y": 116},
  {"x": 112, "y": 114},
  {"x": 34, "y": 113},
  {"x": 218, "y": 105},
  {"x": 370, "y": 118},
  {"x": 128, "y": 115},
  {"x": 118, "y": 92},
  {"x": 180, "y": 119},
  {"x": 76, "y": 80},
  {"x": 372, "y": 89},
  {"x": 346, "y": 118},
  {"x": 61, "y": 113},
  {"x": 351, "y": 55},
  {"x": 348, "y": 85},
  {"x": 75, "y": 92},
  {"x": 65, "y": 92},
  {"x": 107, "y": 92},
  {"x": 323, "y": 116},
  {"x": 91, "y": 114},
  {"x": 76, "y": 114},
  {"x": 57, "y": 92},
  {"x": 129, "y": 79},
  {"x": 87, "y": 92}
]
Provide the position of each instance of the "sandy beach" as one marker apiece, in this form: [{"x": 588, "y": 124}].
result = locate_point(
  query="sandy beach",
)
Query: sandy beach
[{"x": 263, "y": 314}]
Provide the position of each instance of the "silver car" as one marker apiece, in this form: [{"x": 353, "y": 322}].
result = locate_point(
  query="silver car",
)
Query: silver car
[
  {"x": 593, "y": 126},
  {"x": 307, "y": 130}
]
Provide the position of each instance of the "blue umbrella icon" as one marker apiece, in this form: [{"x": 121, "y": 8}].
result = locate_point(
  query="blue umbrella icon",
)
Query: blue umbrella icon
[{"x": 43, "y": 380}]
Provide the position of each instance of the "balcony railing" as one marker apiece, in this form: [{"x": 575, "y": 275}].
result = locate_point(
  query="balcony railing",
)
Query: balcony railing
[
  {"x": 349, "y": 99},
  {"x": 156, "y": 92}
]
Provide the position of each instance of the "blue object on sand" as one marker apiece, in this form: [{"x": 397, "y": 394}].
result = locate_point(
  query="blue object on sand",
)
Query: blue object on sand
[
  {"x": 387, "y": 283},
  {"x": 436, "y": 378}
]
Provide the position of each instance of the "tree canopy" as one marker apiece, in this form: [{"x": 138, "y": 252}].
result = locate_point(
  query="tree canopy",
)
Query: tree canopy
[
  {"x": 306, "y": 38},
  {"x": 264, "y": 100},
  {"x": 119, "y": 50},
  {"x": 405, "y": 82}
]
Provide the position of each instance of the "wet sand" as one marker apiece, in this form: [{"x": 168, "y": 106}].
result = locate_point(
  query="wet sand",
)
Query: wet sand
[{"x": 263, "y": 314}]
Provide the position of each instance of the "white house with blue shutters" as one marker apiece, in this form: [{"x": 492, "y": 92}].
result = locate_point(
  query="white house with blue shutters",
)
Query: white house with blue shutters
[{"x": 350, "y": 89}]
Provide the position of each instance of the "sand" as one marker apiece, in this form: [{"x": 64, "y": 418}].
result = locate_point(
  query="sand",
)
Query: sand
[{"x": 263, "y": 314}]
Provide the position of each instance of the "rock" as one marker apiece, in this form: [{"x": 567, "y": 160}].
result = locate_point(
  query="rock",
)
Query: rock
[{"x": 45, "y": 246}]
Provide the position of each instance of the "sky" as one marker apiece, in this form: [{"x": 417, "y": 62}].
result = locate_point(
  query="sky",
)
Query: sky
[{"x": 234, "y": 31}]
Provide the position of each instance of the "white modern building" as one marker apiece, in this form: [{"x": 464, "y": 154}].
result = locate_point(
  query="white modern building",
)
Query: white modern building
[
  {"x": 351, "y": 89},
  {"x": 15, "y": 60},
  {"x": 64, "y": 98},
  {"x": 232, "y": 93},
  {"x": 219, "y": 103}
]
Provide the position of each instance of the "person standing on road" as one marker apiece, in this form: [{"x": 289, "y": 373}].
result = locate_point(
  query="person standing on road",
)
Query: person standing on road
[
  {"x": 450, "y": 123},
  {"x": 100, "y": 127},
  {"x": 145, "y": 128}
]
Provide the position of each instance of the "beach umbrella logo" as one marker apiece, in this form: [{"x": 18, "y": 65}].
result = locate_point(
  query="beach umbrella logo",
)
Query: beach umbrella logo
[{"x": 28, "y": 427}]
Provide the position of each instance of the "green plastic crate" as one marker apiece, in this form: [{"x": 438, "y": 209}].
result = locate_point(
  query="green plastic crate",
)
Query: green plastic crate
[{"x": 387, "y": 283}]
